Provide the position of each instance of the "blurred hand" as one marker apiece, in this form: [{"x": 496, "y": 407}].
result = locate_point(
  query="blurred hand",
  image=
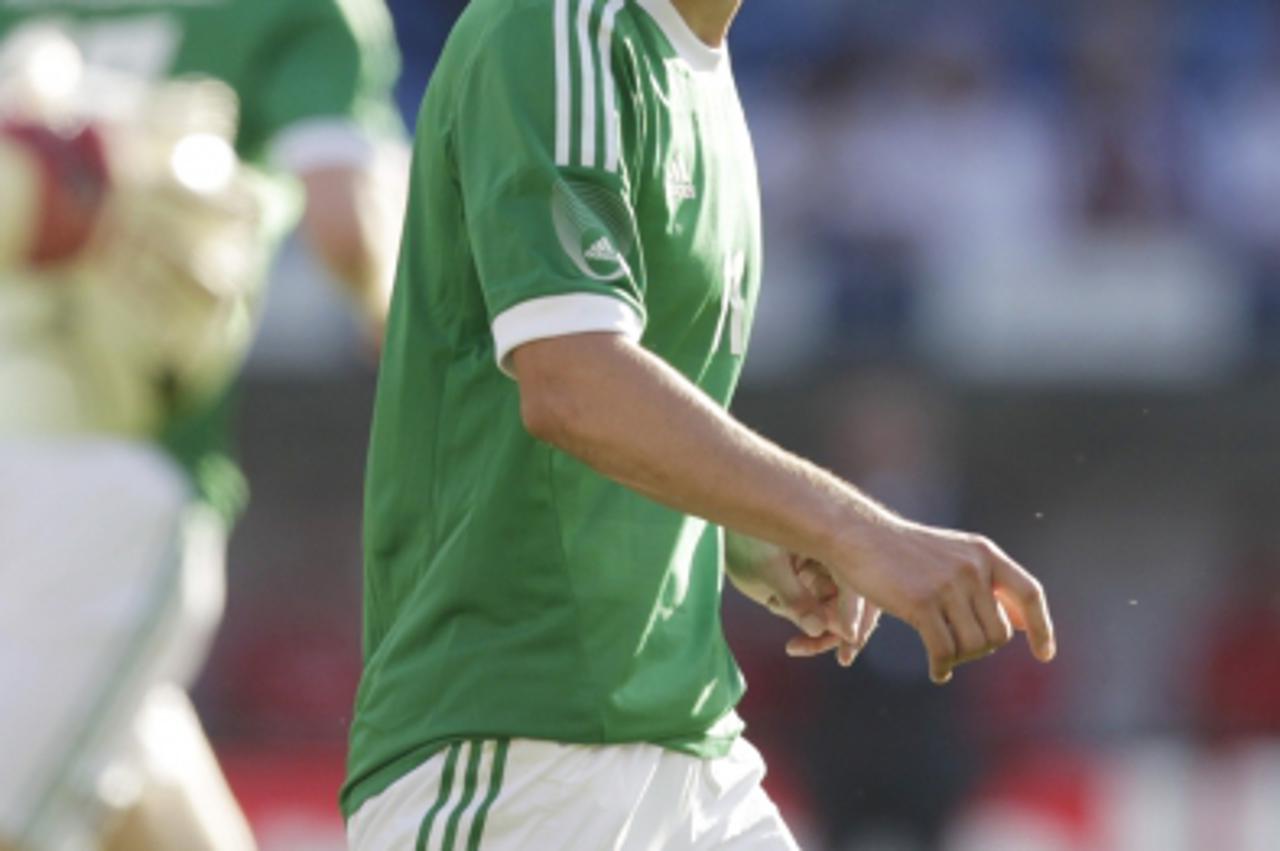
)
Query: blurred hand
[
  {"x": 803, "y": 592},
  {"x": 959, "y": 591}
]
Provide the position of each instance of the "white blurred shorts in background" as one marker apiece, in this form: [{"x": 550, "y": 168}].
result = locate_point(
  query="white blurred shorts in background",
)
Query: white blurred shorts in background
[{"x": 111, "y": 584}]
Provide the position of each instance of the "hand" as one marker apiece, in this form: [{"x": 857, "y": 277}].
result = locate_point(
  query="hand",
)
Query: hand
[
  {"x": 803, "y": 592},
  {"x": 847, "y": 614},
  {"x": 960, "y": 592}
]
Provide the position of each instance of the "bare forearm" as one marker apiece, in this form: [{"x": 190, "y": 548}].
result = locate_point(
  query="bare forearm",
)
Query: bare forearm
[
  {"x": 350, "y": 226},
  {"x": 633, "y": 418}
]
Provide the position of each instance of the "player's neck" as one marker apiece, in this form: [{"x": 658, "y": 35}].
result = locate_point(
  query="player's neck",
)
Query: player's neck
[{"x": 709, "y": 19}]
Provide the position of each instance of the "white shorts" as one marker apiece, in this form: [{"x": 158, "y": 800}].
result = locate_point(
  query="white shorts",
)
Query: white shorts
[
  {"x": 526, "y": 795},
  {"x": 110, "y": 584}
]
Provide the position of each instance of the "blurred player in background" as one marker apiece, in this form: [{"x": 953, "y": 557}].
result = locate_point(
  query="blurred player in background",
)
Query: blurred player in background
[
  {"x": 152, "y": 155},
  {"x": 544, "y": 662}
]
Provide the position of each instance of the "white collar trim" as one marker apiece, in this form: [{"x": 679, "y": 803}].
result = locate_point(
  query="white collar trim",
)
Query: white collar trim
[{"x": 693, "y": 50}]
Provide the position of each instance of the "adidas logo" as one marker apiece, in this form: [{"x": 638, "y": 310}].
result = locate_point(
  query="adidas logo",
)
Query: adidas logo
[{"x": 603, "y": 251}]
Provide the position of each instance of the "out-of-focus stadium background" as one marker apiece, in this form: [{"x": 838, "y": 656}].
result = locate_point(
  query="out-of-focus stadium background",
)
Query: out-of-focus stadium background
[{"x": 1024, "y": 276}]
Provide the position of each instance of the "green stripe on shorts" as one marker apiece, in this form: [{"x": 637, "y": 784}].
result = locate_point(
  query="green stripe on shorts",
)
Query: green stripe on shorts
[
  {"x": 446, "y": 786},
  {"x": 495, "y": 786},
  {"x": 468, "y": 793}
]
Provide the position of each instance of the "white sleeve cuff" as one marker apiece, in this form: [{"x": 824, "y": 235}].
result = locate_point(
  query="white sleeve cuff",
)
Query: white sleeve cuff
[
  {"x": 560, "y": 316},
  {"x": 322, "y": 143}
]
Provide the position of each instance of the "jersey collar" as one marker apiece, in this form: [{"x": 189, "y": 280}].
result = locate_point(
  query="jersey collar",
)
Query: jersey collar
[{"x": 693, "y": 50}]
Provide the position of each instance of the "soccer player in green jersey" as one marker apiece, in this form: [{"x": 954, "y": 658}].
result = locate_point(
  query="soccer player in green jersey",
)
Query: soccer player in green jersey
[
  {"x": 124, "y": 230},
  {"x": 553, "y": 477}
]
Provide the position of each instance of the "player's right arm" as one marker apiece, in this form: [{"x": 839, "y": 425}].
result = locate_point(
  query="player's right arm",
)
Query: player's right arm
[
  {"x": 622, "y": 410},
  {"x": 538, "y": 184}
]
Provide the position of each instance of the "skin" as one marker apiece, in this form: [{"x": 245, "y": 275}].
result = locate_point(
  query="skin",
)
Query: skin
[
  {"x": 346, "y": 223},
  {"x": 626, "y": 413},
  {"x": 194, "y": 810},
  {"x": 350, "y": 222},
  {"x": 343, "y": 223},
  {"x": 802, "y": 592},
  {"x": 709, "y": 19},
  {"x": 836, "y": 559}
]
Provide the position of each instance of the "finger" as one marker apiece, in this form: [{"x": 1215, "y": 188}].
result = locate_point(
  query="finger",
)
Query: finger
[
  {"x": 995, "y": 623},
  {"x": 786, "y": 611},
  {"x": 867, "y": 626},
  {"x": 867, "y": 620},
  {"x": 970, "y": 640},
  {"x": 844, "y": 615},
  {"x": 938, "y": 644},
  {"x": 811, "y": 623},
  {"x": 839, "y": 611},
  {"x": 1024, "y": 598},
  {"x": 816, "y": 580},
  {"x": 795, "y": 603},
  {"x": 804, "y": 646}
]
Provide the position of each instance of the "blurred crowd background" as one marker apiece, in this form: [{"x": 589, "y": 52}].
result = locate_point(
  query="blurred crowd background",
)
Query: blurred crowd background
[{"x": 1023, "y": 275}]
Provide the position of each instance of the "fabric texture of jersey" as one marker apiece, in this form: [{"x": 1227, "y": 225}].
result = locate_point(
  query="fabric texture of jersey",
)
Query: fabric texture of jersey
[
  {"x": 580, "y": 165},
  {"x": 311, "y": 76}
]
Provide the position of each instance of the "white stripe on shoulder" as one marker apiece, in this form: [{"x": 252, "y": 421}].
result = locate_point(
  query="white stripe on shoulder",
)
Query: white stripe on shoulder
[
  {"x": 587, "y": 55},
  {"x": 612, "y": 121},
  {"x": 564, "y": 83},
  {"x": 559, "y": 316}
]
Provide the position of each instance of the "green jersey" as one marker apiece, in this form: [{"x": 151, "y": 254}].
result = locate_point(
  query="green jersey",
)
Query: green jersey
[
  {"x": 313, "y": 80},
  {"x": 580, "y": 166}
]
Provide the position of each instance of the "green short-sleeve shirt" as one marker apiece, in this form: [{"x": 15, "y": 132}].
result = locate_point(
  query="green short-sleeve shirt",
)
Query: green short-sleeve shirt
[{"x": 579, "y": 165}]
